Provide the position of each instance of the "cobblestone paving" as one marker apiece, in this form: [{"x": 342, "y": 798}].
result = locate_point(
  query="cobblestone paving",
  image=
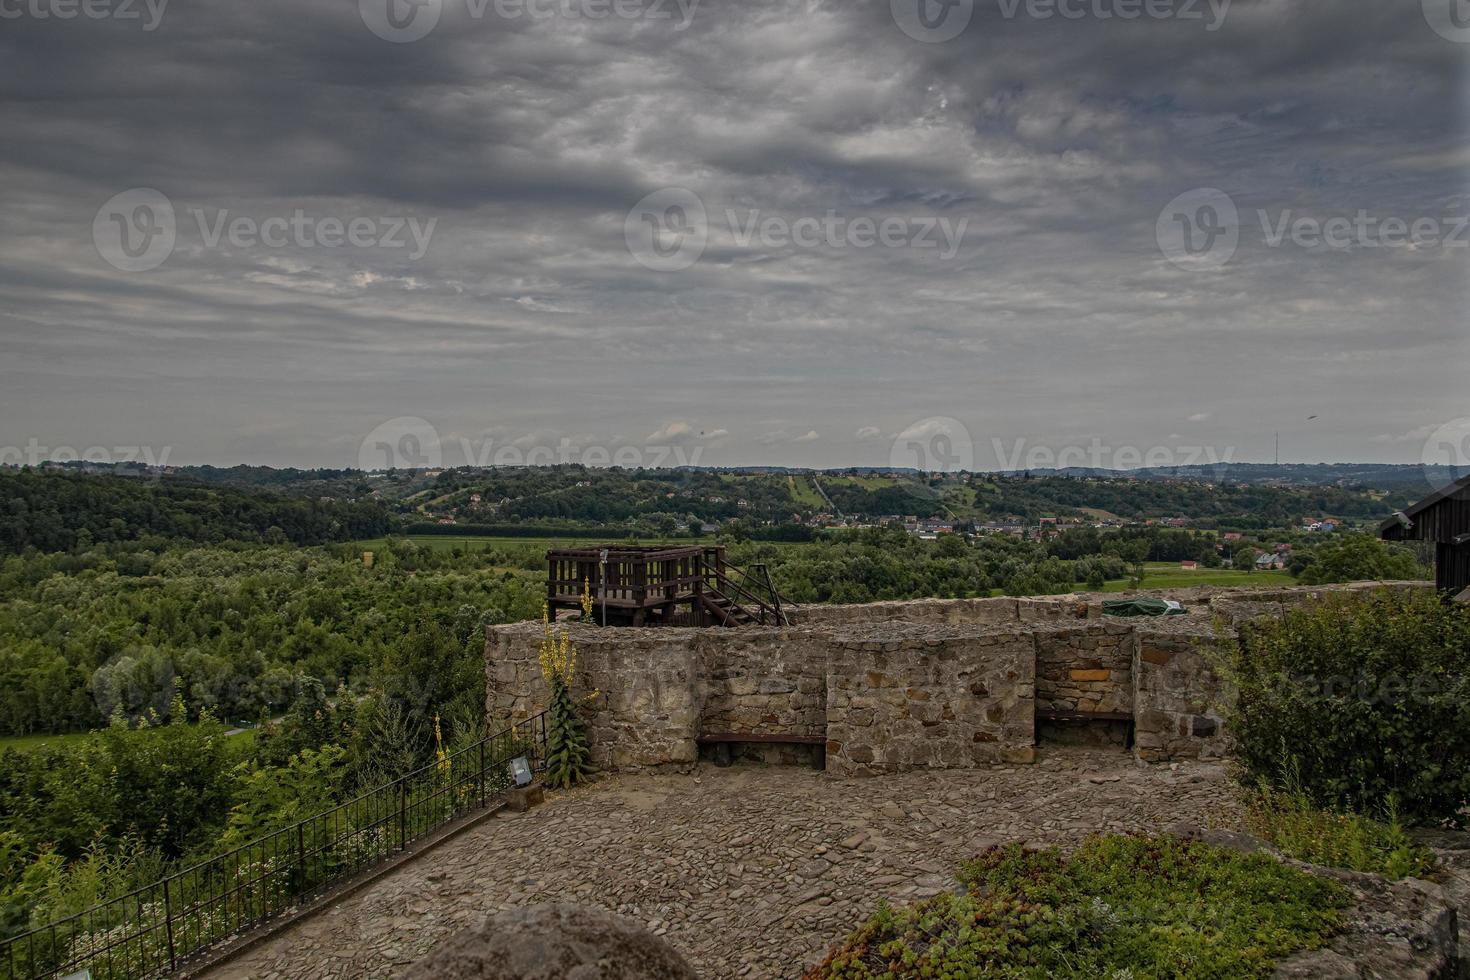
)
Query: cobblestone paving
[{"x": 750, "y": 871}]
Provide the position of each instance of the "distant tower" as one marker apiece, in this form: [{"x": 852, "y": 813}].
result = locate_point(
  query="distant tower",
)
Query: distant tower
[{"x": 1278, "y": 449}]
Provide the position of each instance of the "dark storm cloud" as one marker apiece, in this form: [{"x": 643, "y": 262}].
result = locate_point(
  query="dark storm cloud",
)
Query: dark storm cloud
[{"x": 527, "y": 141}]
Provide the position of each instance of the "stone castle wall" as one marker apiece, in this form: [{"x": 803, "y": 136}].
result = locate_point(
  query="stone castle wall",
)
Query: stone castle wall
[
  {"x": 763, "y": 683},
  {"x": 896, "y": 685},
  {"x": 1085, "y": 669},
  {"x": 916, "y": 698}
]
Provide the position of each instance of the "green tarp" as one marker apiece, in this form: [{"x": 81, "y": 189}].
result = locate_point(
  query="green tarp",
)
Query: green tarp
[{"x": 1142, "y": 607}]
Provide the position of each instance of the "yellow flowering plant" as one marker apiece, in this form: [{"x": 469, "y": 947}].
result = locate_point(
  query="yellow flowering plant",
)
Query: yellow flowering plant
[{"x": 568, "y": 756}]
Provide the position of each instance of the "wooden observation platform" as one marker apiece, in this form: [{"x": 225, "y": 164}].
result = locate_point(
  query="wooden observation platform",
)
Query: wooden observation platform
[{"x": 662, "y": 586}]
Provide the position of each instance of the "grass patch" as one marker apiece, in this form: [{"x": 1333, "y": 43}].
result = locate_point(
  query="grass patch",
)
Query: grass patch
[
  {"x": 1118, "y": 907},
  {"x": 803, "y": 494},
  {"x": 1168, "y": 575},
  {"x": 1289, "y": 821},
  {"x": 30, "y": 743}
]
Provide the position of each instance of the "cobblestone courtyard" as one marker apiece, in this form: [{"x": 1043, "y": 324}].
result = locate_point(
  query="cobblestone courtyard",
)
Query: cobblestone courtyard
[{"x": 749, "y": 871}]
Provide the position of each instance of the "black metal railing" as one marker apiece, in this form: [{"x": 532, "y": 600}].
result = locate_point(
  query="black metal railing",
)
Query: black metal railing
[{"x": 152, "y": 929}]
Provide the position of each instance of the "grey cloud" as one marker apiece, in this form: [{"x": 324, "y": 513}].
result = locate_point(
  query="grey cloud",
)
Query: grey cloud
[{"x": 528, "y": 142}]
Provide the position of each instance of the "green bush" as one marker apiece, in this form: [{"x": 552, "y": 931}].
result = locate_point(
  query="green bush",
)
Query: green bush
[
  {"x": 1366, "y": 700},
  {"x": 1119, "y": 907},
  {"x": 1337, "y": 840}
]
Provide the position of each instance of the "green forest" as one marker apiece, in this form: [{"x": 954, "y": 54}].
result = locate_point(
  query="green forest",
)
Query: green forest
[
  {"x": 65, "y": 512},
  {"x": 356, "y": 675}
]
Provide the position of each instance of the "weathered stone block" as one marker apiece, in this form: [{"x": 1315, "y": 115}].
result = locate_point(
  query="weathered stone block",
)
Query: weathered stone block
[
  {"x": 1156, "y": 656},
  {"x": 519, "y": 799}
]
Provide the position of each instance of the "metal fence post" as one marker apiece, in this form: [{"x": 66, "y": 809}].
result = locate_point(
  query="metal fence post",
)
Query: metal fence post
[
  {"x": 301, "y": 851},
  {"x": 402, "y": 814},
  {"x": 482, "y": 772},
  {"x": 168, "y": 926}
]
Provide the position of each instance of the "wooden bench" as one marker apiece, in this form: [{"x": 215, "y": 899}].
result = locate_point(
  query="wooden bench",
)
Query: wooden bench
[
  {"x": 723, "y": 740},
  {"x": 1047, "y": 714}
]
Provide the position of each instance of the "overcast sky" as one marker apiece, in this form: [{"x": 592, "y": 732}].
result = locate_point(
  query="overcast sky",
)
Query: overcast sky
[{"x": 858, "y": 224}]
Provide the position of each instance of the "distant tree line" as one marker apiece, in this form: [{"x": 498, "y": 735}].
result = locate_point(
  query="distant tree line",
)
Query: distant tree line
[
  {"x": 576, "y": 496},
  {"x": 45, "y": 511}
]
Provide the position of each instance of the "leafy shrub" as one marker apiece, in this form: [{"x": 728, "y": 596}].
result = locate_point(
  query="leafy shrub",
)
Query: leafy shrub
[
  {"x": 1119, "y": 907},
  {"x": 1361, "y": 558},
  {"x": 1288, "y": 820},
  {"x": 1365, "y": 699}
]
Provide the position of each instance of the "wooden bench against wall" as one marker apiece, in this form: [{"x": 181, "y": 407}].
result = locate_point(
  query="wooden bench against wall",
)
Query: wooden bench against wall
[
  {"x": 721, "y": 741},
  {"x": 1046, "y": 714}
]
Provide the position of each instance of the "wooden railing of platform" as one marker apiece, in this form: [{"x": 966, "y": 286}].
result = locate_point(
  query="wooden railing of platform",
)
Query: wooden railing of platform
[{"x": 645, "y": 585}]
